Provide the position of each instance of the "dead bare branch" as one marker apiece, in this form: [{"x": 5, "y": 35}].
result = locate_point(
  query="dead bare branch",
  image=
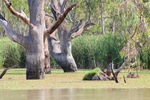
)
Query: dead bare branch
[
  {"x": 21, "y": 15},
  {"x": 63, "y": 2},
  {"x": 79, "y": 29},
  {"x": 1, "y": 17},
  {"x": 60, "y": 19},
  {"x": 3, "y": 73},
  {"x": 76, "y": 27},
  {"x": 120, "y": 68},
  {"x": 10, "y": 33},
  {"x": 115, "y": 77}
]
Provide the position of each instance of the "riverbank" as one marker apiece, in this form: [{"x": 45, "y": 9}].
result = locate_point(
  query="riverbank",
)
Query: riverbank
[{"x": 15, "y": 79}]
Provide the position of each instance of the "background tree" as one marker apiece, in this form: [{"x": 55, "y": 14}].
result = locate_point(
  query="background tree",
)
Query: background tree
[{"x": 61, "y": 49}]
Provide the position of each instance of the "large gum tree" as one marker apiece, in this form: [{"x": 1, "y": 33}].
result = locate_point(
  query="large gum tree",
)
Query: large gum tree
[
  {"x": 35, "y": 43},
  {"x": 60, "y": 41}
]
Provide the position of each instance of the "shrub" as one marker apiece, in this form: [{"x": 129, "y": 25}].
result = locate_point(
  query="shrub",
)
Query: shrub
[
  {"x": 144, "y": 56},
  {"x": 89, "y": 50},
  {"x": 11, "y": 54},
  {"x": 90, "y": 74},
  {"x": 84, "y": 49}
]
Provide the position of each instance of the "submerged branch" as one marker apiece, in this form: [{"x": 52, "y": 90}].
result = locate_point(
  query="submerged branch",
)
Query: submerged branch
[
  {"x": 3, "y": 73},
  {"x": 115, "y": 77}
]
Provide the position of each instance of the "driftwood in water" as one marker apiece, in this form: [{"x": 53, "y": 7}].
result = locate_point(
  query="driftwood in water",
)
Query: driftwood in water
[
  {"x": 115, "y": 77},
  {"x": 109, "y": 73},
  {"x": 132, "y": 75},
  {"x": 6, "y": 69},
  {"x": 3, "y": 73}
]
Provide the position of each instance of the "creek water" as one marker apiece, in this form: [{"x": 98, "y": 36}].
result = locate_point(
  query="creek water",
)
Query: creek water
[{"x": 76, "y": 94}]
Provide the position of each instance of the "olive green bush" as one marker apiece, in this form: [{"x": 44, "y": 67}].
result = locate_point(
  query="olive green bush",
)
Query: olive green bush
[
  {"x": 144, "y": 56},
  {"x": 90, "y": 50},
  {"x": 11, "y": 54}
]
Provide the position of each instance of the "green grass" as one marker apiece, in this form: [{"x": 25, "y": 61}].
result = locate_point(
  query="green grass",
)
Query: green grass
[{"x": 15, "y": 79}]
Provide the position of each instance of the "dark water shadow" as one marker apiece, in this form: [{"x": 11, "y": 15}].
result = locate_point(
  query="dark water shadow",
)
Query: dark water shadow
[{"x": 76, "y": 94}]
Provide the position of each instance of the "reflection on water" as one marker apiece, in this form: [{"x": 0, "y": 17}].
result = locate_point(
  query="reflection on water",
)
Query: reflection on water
[{"x": 76, "y": 94}]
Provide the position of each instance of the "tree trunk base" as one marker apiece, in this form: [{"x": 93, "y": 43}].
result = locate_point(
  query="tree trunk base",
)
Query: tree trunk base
[
  {"x": 34, "y": 75},
  {"x": 69, "y": 70},
  {"x": 47, "y": 70}
]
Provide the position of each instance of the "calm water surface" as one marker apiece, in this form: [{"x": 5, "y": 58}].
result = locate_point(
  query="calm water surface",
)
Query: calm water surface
[{"x": 76, "y": 94}]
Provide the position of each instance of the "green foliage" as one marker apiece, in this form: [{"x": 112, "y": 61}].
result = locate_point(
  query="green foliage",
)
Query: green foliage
[
  {"x": 87, "y": 50},
  {"x": 108, "y": 49},
  {"x": 144, "y": 56},
  {"x": 147, "y": 12},
  {"x": 11, "y": 54},
  {"x": 53, "y": 63},
  {"x": 16, "y": 23},
  {"x": 101, "y": 49},
  {"x": 90, "y": 74},
  {"x": 146, "y": 1},
  {"x": 83, "y": 49}
]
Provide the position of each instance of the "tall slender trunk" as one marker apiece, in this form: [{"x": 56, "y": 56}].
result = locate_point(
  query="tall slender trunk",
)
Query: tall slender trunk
[
  {"x": 114, "y": 27},
  {"x": 102, "y": 17}
]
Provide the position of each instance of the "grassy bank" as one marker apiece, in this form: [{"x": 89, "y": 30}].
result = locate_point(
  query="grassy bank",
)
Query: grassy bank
[{"x": 15, "y": 80}]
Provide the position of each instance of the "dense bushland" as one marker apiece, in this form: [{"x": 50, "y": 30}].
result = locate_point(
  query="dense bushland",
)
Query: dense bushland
[
  {"x": 89, "y": 51},
  {"x": 92, "y": 51},
  {"x": 11, "y": 54},
  {"x": 144, "y": 56}
]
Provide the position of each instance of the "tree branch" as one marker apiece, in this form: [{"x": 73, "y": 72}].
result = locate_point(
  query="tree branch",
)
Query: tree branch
[
  {"x": 115, "y": 77},
  {"x": 78, "y": 30},
  {"x": 3, "y": 73},
  {"x": 76, "y": 27},
  {"x": 21, "y": 15},
  {"x": 10, "y": 33},
  {"x": 140, "y": 45},
  {"x": 60, "y": 19},
  {"x": 63, "y": 2},
  {"x": 120, "y": 68}
]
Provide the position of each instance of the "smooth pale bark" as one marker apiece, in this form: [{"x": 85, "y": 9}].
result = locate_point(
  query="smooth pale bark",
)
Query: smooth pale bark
[
  {"x": 35, "y": 58},
  {"x": 61, "y": 52},
  {"x": 61, "y": 49},
  {"x": 102, "y": 17},
  {"x": 35, "y": 50}
]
